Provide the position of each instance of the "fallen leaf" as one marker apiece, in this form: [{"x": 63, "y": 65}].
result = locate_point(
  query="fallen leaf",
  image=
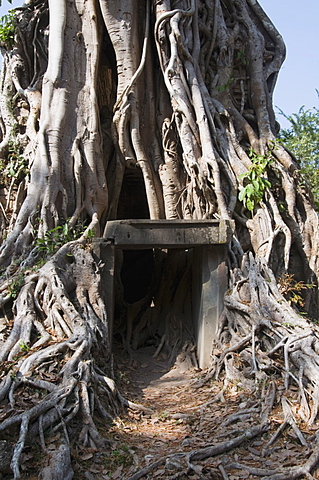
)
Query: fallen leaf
[
  {"x": 117, "y": 473},
  {"x": 86, "y": 456}
]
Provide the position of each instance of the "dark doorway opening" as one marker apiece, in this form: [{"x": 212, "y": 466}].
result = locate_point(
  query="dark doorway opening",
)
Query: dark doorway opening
[
  {"x": 136, "y": 274},
  {"x": 133, "y": 201}
]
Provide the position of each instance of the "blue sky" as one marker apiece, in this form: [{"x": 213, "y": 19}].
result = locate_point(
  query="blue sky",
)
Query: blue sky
[
  {"x": 297, "y": 21},
  {"x": 6, "y": 6}
]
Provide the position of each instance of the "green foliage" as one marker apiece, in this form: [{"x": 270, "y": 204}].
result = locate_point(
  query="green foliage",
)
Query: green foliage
[
  {"x": 225, "y": 86},
  {"x": 121, "y": 456},
  {"x": 302, "y": 139},
  {"x": 15, "y": 285},
  {"x": 7, "y": 29},
  {"x": 52, "y": 240},
  {"x": 24, "y": 347},
  {"x": 16, "y": 163},
  {"x": 59, "y": 236},
  {"x": 255, "y": 181},
  {"x": 163, "y": 416},
  {"x": 15, "y": 166},
  {"x": 90, "y": 235},
  {"x": 241, "y": 57}
]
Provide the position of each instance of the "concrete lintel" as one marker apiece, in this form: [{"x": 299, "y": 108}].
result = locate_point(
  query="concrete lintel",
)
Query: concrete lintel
[{"x": 130, "y": 234}]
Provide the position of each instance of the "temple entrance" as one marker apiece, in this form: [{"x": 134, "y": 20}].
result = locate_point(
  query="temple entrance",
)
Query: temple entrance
[{"x": 165, "y": 278}]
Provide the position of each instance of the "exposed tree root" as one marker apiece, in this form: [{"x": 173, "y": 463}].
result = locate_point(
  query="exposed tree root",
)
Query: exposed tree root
[
  {"x": 60, "y": 465},
  {"x": 264, "y": 328},
  {"x": 70, "y": 364},
  {"x": 69, "y": 370}
]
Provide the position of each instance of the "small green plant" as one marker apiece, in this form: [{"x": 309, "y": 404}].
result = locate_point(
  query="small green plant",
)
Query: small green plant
[
  {"x": 24, "y": 347},
  {"x": 255, "y": 181},
  {"x": 59, "y": 236},
  {"x": 162, "y": 416},
  {"x": 240, "y": 56},
  {"x": 225, "y": 86},
  {"x": 7, "y": 29},
  {"x": 16, "y": 162},
  {"x": 90, "y": 235},
  {"x": 51, "y": 241},
  {"x": 123, "y": 377},
  {"x": 38, "y": 265},
  {"x": 15, "y": 285},
  {"x": 16, "y": 166},
  {"x": 121, "y": 456},
  {"x": 288, "y": 324}
]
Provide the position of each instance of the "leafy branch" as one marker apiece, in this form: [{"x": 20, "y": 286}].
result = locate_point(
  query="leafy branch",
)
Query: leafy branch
[
  {"x": 255, "y": 181},
  {"x": 16, "y": 163}
]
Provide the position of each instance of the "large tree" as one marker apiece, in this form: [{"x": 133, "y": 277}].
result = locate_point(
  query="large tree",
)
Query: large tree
[{"x": 173, "y": 97}]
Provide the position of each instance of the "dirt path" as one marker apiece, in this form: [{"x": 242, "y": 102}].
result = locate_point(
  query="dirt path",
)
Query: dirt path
[
  {"x": 167, "y": 391},
  {"x": 185, "y": 418}
]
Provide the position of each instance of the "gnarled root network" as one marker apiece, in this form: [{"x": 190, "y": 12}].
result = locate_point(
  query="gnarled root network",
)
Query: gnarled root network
[{"x": 57, "y": 354}]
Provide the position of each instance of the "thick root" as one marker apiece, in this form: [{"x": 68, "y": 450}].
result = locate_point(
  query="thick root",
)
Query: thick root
[{"x": 60, "y": 465}]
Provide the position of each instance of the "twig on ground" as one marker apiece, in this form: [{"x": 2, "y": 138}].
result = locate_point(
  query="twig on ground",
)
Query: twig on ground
[{"x": 288, "y": 420}]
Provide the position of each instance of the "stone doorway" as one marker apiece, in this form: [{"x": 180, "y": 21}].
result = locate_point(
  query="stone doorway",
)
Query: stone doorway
[{"x": 137, "y": 240}]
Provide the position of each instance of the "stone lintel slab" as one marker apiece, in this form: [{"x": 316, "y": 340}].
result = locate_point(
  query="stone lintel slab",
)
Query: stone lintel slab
[{"x": 139, "y": 234}]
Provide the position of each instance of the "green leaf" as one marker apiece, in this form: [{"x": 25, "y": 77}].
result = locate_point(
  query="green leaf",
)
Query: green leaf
[
  {"x": 250, "y": 190},
  {"x": 55, "y": 229},
  {"x": 250, "y": 204},
  {"x": 90, "y": 234},
  {"x": 256, "y": 185},
  {"x": 65, "y": 229},
  {"x": 242, "y": 194},
  {"x": 7, "y": 29}
]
